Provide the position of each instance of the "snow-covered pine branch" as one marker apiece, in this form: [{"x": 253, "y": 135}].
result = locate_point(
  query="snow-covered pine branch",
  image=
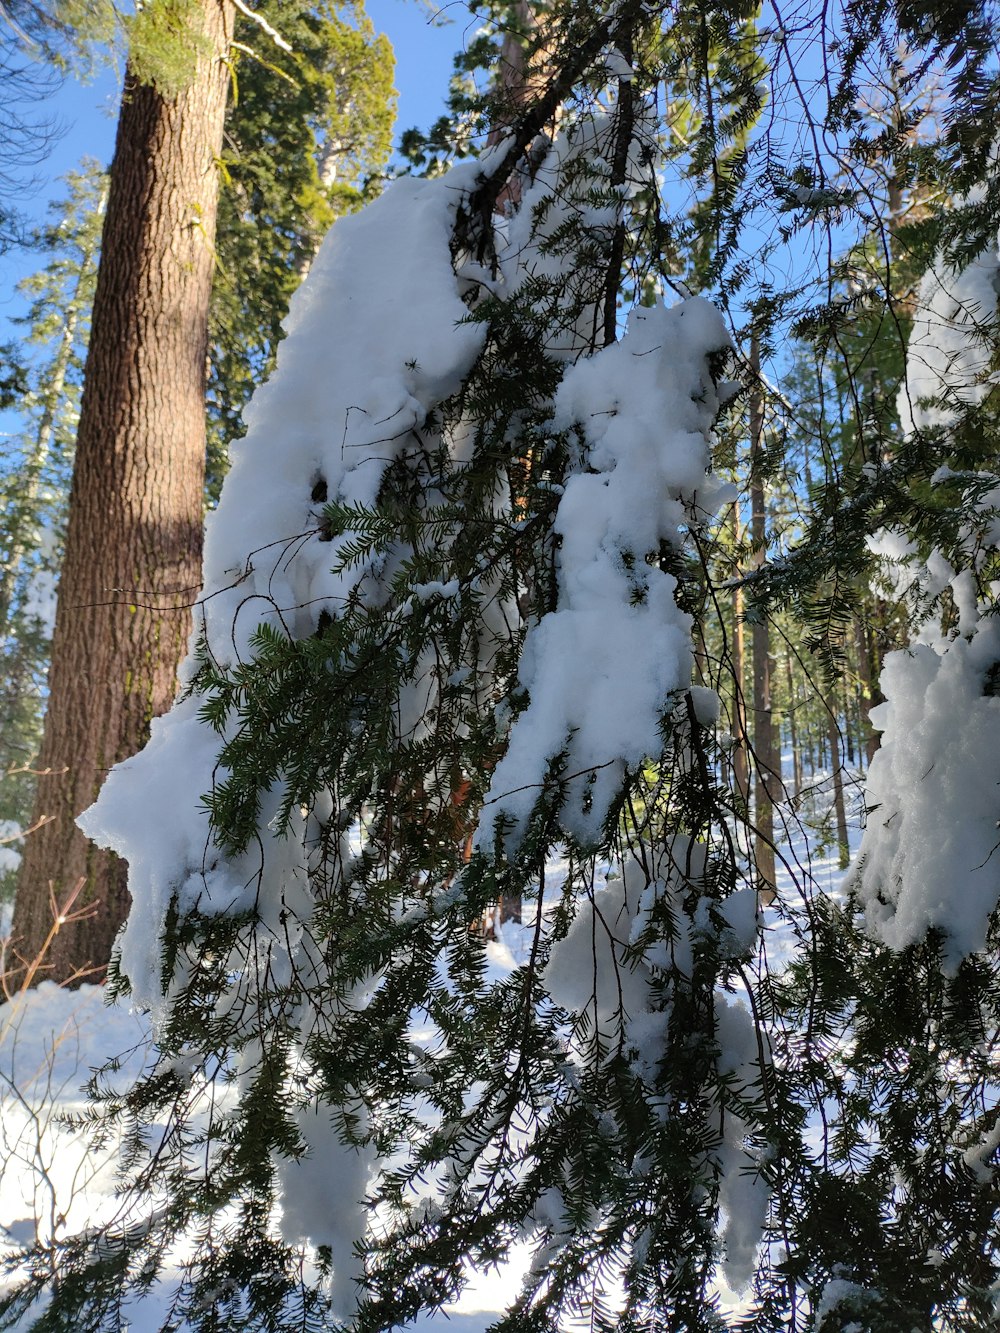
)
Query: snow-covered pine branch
[{"x": 437, "y": 580}]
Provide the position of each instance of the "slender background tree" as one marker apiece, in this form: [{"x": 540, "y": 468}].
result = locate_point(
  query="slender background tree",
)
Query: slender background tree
[{"x": 35, "y": 474}]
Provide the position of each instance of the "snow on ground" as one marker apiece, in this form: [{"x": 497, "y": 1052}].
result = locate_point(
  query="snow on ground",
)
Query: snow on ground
[{"x": 52, "y": 1039}]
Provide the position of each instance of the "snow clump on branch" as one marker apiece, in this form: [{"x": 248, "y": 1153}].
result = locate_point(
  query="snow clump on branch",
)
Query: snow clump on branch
[
  {"x": 599, "y": 669},
  {"x": 369, "y": 401},
  {"x": 930, "y": 855}
]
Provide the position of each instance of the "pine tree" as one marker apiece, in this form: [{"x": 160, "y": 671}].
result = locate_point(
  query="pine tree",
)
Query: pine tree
[
  {"x": 433, "y": 596},
  {"x": 130, "y": 569},
  {"x": 330, "y": 105}
]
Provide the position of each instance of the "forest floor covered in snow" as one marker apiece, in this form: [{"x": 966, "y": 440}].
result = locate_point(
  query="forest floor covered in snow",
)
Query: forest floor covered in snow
[{"x": 54, "y": 1183}]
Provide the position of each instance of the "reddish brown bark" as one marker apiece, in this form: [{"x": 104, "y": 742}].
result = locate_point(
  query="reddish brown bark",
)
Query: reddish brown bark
[
  {"x": 837, "y": 769},
  {"x": 740, "y": 757},
  {"x": 133, "y": 551},
  {"x": 767, "y": 756}
]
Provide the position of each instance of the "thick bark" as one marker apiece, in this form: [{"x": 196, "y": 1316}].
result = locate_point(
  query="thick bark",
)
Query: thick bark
[{"x": 133, "y": 549}]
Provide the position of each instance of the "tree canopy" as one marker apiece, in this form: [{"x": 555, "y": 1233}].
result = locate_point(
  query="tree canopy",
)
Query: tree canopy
[{"x": 307, "y": 140}]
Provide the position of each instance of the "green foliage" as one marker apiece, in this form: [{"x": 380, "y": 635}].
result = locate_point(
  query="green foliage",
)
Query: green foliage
[
  {"x": 13, "y": 377},
  {"x": 162, "y": 37},
  {"x": 537, "y": 1120},
  {"x": 308, "y": 134},
  {"x": 893, "y": 1207},
  {"x": 165, "y": 40}
]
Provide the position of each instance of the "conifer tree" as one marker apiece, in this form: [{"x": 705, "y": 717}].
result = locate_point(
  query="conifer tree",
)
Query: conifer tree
[
  {"x": 131, "y": 564},
  {"x": 331, "y": 105}
]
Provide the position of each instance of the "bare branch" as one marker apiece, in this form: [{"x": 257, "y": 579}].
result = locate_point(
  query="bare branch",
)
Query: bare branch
[{"x": 263, "y": 24}]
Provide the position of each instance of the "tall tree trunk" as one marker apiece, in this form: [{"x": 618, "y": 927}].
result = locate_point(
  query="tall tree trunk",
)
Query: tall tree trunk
[
  {"x": 793, "y": 727},
  {"x": 850, "y": 727},
  {"x": 836, "y": 766},
  {"x": 767, "y": 760},
  {"x": 518, "y": 84},
  {"x": 868, "y": 688},
  {"x": 741, "y": 765},
  {"x": 133, "y": 549}
]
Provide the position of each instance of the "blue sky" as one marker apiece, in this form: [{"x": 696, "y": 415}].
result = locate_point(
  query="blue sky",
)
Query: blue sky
[{"x": 85, "y": 114}]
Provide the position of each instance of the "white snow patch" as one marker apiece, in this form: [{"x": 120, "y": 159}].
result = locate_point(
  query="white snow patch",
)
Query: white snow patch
[
  {"x": 600, "y": 669},
  {"x": 930, "y": 855}
]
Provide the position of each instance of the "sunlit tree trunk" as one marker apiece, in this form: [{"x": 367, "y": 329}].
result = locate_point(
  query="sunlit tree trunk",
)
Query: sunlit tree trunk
[
  {"x": 133, "y": 550},
  {"x": 767, "y": 760},
  {"x": 519, "y": 83},
  {"x": 793, "y": 727},
  {"x": 837, "y": 769},
  {"x": 868, "y": 689},
  {"x": 741, "y": 766}
]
